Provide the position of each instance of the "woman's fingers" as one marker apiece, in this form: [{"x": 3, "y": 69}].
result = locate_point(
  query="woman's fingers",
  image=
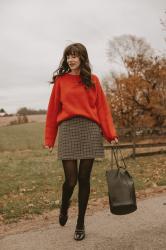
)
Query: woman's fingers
[
  {"x": 50, "y": 148},
  {"x": 115, "y": 141}
]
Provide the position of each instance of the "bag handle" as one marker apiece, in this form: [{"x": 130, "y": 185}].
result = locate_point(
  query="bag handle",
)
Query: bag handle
[
  {"x": 113, "y": 155},
  {"x": 115, "y": 151}
]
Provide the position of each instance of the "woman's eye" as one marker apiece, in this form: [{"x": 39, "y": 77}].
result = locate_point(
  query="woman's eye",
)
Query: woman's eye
[{"x": 72, "y": 56}]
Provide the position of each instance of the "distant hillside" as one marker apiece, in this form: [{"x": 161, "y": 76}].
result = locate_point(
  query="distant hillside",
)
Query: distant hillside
[
  {"x": 31, "y": 118},
  {"x": 27, "y": 111}
]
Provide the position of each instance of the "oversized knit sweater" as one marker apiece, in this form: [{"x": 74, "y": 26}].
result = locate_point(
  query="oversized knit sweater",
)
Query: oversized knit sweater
[{"x": 69, "y": 98}]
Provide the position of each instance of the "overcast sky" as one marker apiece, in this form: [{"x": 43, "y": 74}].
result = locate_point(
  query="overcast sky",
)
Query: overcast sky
[{"x": 34, "y": 33}]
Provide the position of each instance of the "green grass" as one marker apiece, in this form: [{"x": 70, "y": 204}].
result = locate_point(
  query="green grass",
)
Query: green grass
[
  {"x": 21, "y": 137},
  {"x": 31, "y": 177}
]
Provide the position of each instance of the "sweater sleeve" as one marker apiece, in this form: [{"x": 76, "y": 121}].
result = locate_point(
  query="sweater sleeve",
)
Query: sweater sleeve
[
  {"x": 105, "y": 114},
  {"x": 51, "y": 126}
]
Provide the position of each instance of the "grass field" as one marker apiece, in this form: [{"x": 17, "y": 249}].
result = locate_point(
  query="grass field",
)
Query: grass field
[{"x": 31, "y": 177}]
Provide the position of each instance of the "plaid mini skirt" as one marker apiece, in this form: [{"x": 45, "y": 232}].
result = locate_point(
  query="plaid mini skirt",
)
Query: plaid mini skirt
[{"x": 79, "y": 138}]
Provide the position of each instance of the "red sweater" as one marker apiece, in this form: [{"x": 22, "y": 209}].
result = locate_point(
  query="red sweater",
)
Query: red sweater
[{"x": 70, "y": 98}]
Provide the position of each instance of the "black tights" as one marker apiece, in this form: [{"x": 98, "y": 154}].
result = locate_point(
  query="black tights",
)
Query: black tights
[{"x": 71, "y": 176}]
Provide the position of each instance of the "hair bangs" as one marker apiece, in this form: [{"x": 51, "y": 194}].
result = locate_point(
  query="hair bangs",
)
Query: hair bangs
[{"x": 72, "y": 50}]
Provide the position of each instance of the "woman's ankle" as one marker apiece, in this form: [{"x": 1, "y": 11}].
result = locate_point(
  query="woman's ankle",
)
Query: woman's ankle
[
  {"x": 64, "y": 207},
  {"x": 80, "y": 223}
]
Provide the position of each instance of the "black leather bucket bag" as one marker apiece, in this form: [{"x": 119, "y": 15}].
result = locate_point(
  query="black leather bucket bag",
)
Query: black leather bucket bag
[{"x": 121, "y": 190}]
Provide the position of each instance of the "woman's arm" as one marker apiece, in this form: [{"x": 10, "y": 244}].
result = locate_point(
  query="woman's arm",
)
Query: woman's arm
[
  {"x": 51, "y": 127},
  {"x": 105, "y": 115}
]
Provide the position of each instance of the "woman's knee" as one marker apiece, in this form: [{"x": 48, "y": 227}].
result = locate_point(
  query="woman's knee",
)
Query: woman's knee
[
  {"x": 83, "y": 180},
  {"x": 71, "y": 183}
]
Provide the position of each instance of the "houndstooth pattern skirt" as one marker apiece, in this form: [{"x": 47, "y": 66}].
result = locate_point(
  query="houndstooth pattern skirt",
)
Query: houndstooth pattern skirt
[{"x": 79, "y": 138}]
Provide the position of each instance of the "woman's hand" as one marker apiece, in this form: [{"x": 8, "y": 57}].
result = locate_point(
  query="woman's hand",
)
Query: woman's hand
[
  {"x": 115, "y": 140},
  {"x": 48, "y": 147}
]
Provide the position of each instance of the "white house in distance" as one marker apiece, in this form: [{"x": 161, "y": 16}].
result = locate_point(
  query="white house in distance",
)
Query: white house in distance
[{"x": 2, "y": 113}]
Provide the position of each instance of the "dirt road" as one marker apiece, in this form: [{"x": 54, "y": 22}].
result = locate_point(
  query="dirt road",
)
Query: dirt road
[{"x": 142, "y": 230}]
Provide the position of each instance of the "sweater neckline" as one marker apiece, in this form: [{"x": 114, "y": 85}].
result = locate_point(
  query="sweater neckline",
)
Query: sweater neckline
[{"x": 72, "y": 75}]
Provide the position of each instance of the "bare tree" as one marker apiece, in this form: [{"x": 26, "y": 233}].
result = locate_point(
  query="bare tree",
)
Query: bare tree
[
  {"x": 123, "y": 48},
  {"x": 163, "y": 23}
]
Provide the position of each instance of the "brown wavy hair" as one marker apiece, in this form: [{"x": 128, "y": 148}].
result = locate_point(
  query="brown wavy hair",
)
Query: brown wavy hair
[{"x": 79, "y": 50}]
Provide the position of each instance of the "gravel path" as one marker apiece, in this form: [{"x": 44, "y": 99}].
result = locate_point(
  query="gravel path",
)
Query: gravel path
[{"x": 144, "y": 229}]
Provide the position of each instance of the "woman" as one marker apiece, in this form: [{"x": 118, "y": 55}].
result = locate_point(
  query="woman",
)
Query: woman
[{"x": 79, "y": 112}]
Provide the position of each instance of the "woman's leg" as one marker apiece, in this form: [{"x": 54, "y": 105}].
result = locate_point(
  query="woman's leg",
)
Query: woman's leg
[
  {"x": 71, "y": 175},
  {"x": 84, "y": 189}
]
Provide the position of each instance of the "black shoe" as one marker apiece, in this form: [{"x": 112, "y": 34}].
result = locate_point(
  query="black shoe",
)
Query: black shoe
[
  {"x": 79, "y": 234},
  {"x": 63, "y": 217}
]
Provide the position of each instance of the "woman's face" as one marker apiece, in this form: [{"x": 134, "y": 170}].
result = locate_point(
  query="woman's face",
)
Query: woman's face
[{"x": 74, "y": 62}]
